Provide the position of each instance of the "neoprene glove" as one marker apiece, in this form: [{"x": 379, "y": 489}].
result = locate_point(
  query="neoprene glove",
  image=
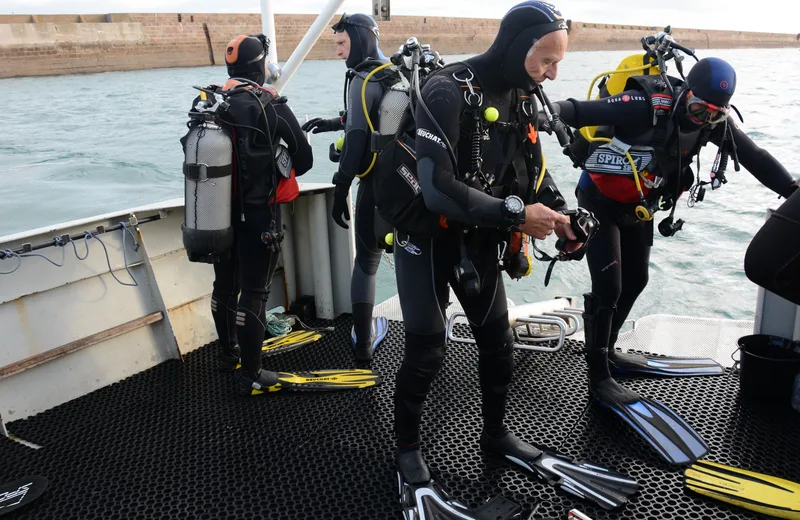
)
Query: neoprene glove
[
  {"x": 543, "y": 123},
  {"x": 319, "y": 124},
  {"x": 341, "y": 211}
]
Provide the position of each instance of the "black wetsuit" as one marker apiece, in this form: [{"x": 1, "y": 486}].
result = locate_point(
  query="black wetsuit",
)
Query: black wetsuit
[
  {"x": 773, "y": 257},
  {"x": 355, "y": 160},
  {"x": 241, "y": 317},
  {"x": 619, "y": 254},
  {"x": 425, "y": 266}
]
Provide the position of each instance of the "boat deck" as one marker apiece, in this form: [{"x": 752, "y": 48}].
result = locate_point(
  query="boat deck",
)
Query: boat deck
[{"x": 175, "y": 442}]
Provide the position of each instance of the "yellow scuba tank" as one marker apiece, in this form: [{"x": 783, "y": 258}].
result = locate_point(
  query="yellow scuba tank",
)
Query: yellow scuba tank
[{"x": 614, "y": 81}]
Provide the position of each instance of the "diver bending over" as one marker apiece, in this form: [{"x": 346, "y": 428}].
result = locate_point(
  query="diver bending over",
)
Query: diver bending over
[
  {"x": 619, "y": 256},
  {"x": 356, "y": 39},
  {"x": 665, "y": 130},
  {"x": 531, "y": 41}
]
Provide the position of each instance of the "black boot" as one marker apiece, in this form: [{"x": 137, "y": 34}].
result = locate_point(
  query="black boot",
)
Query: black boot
[
  {"x": 229, "y": 359},
  {"x": 412, "y": 466},
  {"x": 597, "y": 329}
]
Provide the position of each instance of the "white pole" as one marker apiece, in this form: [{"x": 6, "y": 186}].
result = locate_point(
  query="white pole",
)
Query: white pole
[
  {"x": 321, "y": 253},
  {"x": 307, "y": 43},
  {"x": 268, "y": 28},
  {"x": 287, "y": 253}
]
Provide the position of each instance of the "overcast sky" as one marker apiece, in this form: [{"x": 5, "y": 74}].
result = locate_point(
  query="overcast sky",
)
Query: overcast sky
[{"x": 742, "y": 15}]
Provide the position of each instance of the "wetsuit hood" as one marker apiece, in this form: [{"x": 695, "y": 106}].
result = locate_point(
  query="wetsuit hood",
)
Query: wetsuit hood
[
  {"x": 520, "y": 28},
  {"x": 246, "y": 57},
  {"x": 364, "y": 35},
  {"x": 712, "y": 80}
]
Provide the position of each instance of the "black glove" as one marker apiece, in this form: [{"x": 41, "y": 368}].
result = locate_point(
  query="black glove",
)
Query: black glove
[
  {"x": 334, "y": 154},
  {"x": 341, "y": 211},
  {"x": 543, "y": 123},
  {"x": 319, "y": 124}
]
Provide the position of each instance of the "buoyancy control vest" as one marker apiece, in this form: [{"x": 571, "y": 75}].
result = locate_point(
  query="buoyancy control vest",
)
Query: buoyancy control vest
[
  {"x": 487, "y": 159},
  {"x": 263, "y": 164},
  {"x": 653, "y": 153},
  {"x": 499, "y": 153}
]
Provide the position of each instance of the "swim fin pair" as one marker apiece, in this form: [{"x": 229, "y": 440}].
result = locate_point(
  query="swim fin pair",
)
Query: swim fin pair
[
  {"x": 319, "y": 380},
  {"x": 663, "y": 429},
  {"x": 669, "y": 435},
  {"x": 755, "y": 491},
  {"x": 230, "y": 358},
  {"x": 290, "y": 341},
  {"x": 632, "y": 364},
  {"x": 629, "y": 363},
  {"x": 423, "y": 498},
  {"x": 608, "y": 489},
  {"x": 364, "y": 350}
]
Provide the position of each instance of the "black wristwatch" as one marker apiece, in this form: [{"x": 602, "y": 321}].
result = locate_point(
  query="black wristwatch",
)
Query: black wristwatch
[{"x": 514, "y": 210}]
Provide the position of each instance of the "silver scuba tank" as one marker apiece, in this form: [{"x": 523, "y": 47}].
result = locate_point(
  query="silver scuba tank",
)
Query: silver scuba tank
[
  {"x": 393, "y": 105},
  {"x": 208, "y": 171}
]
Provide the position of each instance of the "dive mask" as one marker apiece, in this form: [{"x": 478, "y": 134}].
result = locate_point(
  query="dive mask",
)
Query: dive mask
[
  {"x": 702, "y": 112},
  {"x": 348, "y": 20}
]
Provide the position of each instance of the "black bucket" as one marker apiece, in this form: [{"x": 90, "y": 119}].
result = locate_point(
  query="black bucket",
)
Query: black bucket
[{"x": 768, "y": 368}]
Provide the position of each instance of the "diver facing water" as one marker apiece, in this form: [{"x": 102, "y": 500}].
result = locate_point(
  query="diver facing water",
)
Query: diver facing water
[
  {"x": 356, "y": 37},
  {"x": 489, "y": 95},
  {"x": 258, "y": 120}
]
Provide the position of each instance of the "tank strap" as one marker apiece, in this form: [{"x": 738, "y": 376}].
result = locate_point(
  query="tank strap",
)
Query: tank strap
[{"x": 202, "y": 171}]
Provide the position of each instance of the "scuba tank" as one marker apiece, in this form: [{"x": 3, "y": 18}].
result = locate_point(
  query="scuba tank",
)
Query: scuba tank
[
  {"x": 208, "y": 183},
  {"x": 658, "y": 50}
]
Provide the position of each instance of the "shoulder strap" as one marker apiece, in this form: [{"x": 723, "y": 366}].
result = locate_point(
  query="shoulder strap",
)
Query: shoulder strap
[{"x": 661, "y": 101}]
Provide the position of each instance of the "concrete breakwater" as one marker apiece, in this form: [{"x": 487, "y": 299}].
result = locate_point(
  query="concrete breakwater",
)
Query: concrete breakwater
[{"x": 41, "y": 45}]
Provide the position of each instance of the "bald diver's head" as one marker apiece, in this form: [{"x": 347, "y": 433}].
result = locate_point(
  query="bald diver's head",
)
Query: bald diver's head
[{"x": 532, "y": 39}]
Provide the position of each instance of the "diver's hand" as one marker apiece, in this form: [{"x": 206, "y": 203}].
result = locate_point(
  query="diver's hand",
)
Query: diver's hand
[
  {"x": 317, "y": 125},
  {"x": 340, "y": 211},
  {"x": 541, "y": 221},
  {"x": 543, "y": 124},
  {"x": 565, "y": 230}
]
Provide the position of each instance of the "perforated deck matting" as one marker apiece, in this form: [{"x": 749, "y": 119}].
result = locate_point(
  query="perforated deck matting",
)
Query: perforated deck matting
[{"x": 175, "y": 442}]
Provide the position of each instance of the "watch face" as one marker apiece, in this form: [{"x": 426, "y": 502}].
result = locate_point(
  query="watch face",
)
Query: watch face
[{"x": 514, "y": 204}]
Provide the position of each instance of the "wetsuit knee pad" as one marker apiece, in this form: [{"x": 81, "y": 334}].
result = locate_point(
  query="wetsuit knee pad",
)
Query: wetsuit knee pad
[
  {"x": 495, "y": 335},
  {"x": 425, "y": 352},
  {"x": 368, "y": 261},
  {"x": 496, "y": 354}
]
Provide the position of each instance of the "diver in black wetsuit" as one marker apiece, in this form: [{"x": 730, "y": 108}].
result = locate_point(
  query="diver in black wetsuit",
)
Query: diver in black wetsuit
[
  {"x": 773, "y": 256},
  {"x": 530, "y": 43},
  {"x": 242, "y": 316},
  {"x": 356, "y": 39},
  {"x": 664, "y": 146}
]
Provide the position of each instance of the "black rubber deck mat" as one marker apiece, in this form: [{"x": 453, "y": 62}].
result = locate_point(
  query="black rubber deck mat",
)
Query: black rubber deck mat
[{"x": 176, "y": 442}]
